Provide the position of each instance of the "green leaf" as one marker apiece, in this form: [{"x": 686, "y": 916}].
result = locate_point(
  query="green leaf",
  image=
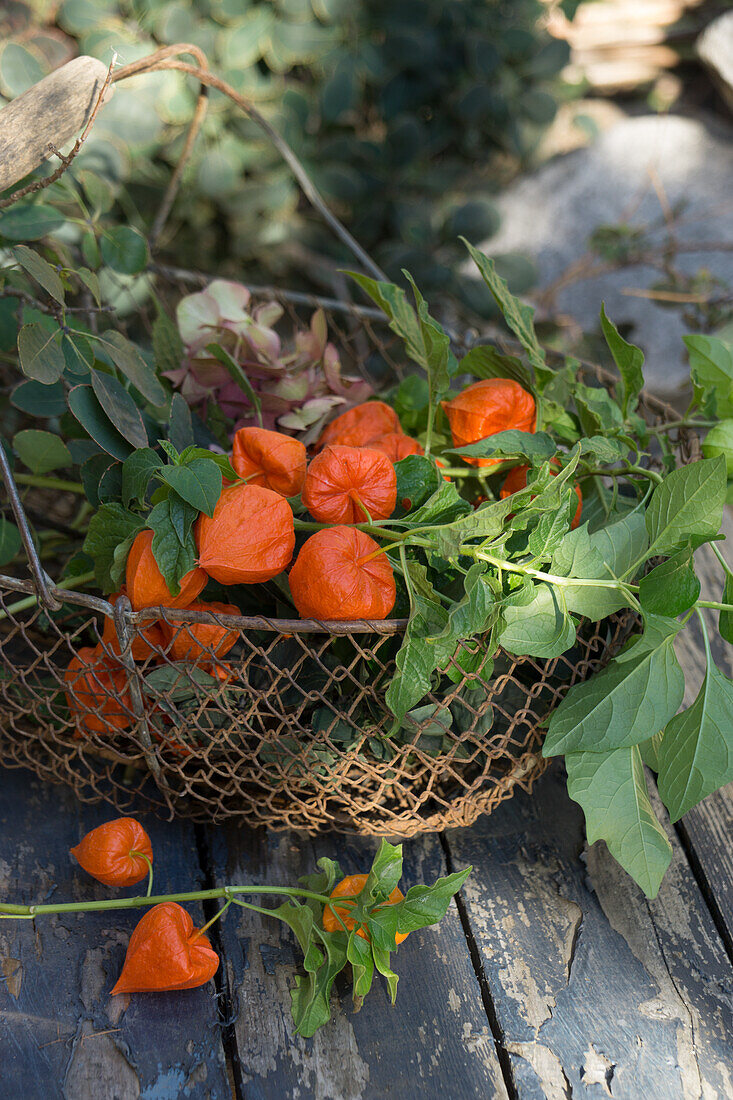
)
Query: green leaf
[
  {"x": 487, "y": 522},
  {"x": 634, "y": 695},
  {"x": 10, "y": 540},
  {"x": 417, "y": 479},
  {"x": 167, "y": 344},
  {"x": 650, "y": 750},
  {"x": 91, "y": 473},
  {"x": 440, "y": 362},
  {"x": 611, "y": 788},
  {"x": 380, "y": 954},
  {"x": 237, "y": 374},
  {"x": 120, "y": 408},
  {"x": 39, "y": 399},
  {"x": 29, "y": 223},
  {"x": 444, "y": 505},
  {"x": 711, "y": 368},
  {"x": 518, "y": 315},
  {"x": 597, "y": 410},
  {"x": 174, "y": 559},
  {"x": 137, "y": 471},
  {"x": 533, "y": 448},
  {"x": 359, "y": 954},
  {"x": 696, "y": 755},
  {"x": 725, "y": 619},
  {"x": 384, "y": 875},
  {"x": 198, "y": 483},
  {"x": 629, "y": 360},
  {"x": 92, "y": 417},
  {"x": 41, "y": 451},
  {"x": 687, "y": 506},
  {"x": 672, "y": 587},
  {"x": 426, "y": 905},
  {"x": 180, "y": 427},
  {"x": 40, "y": 270},
  {"x": 541, "y": 628},
  {"x": 484, "y": 361},
  {"x": 416, "y": 660},
  {"x": 124, "y": 250},
  {"x": 598, "y": 450},
  {"x": 183, "y": 517},
  {"x": 310, "y": 998},
  {"x": 128, "y": 359},
  {"x": 605, "y": 554},
  {"x": 110, "y": 527},
  {"x": 39, "y": 350}
]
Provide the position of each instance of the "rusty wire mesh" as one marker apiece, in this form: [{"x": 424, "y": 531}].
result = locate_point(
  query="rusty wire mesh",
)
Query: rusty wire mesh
[{"x": 289, "y": 729}]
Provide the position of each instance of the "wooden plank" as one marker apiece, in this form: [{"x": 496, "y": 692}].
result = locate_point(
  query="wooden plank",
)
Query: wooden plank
[
  {"x": 61, "y": 1034},
  {"x": 707, "y": 829},
  {"x": 436, "y": 1041},
  {"x": 592, "y": 984},
  {"x": 51, "y": 112}
]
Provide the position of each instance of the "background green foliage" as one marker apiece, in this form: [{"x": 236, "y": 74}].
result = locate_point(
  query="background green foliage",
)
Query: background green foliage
[{"x": 408, "y": 115}]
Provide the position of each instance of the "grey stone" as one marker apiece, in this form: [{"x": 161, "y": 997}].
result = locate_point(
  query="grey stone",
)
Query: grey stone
[
  {"x": 715, "y": 48},
  {"x": 551, "y": 215}
]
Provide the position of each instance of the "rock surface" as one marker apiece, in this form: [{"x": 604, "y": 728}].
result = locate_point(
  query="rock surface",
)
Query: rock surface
[
  {"x": 715, "y": 48},
  {"x": 621, "y": 178}
]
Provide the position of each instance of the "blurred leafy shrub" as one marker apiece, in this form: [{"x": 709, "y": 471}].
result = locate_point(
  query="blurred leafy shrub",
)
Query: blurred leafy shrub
[{"x": 408, "y": 116}]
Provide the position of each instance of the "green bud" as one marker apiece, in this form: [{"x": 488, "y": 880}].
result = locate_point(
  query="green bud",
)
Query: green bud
[{"x": 719, "y": 441}]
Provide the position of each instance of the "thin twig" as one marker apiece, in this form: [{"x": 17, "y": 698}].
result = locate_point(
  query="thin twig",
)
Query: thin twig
[
  {"x": 40, "y": 185},
  {"x": 53, "y": 309}
]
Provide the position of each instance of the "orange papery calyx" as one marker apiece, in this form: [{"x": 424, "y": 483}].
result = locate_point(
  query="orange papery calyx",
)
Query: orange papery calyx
[
  {"x": 97, "y": 692},
  {"x": 145, "y": 583},
  {"x": 166, "y": 952},
  {"x": 487, "y": 407},
  {"x": 249, "y": 539},
  {"x": 342, "y": 574},
  {"x": 350, "y": 485},
  {"x": 188, "y": 641},
  {"x": 358, "y": 426},
  {"x": 396, "y": 446},
  {"x": 118, "y": 853},
  {"x": 270, "y": 459}
]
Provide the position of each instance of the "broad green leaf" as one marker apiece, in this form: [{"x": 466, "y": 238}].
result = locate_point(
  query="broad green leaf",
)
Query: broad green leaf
[
  {"x": 605, "y": 555},
  {"x": 711, "y": 368},
  {"x": 39, "y": 399},
  {"x": 611, "y": 788},
  {"x": 484, "y": 361},
  {"x": 650, "y": 750},
  {"x": 124, "y": 250},
  {"x": 384, "y": 874},
  {"x": 443, "y": 506},
  {"x": 598, "y": 412},
  {"x": 91, "y": 474},
  {"x": 183, "y": 517},
  {"x": 86, "y": 408},
  {"x": 40, "y": 270},
  {"x": 90, "y": 281},
  {"x": 198, "y": 483},
  {"x": 518, "y": 315},
  {"x": 359, "y": 954},
  {"x": 634, "y": 695},
  {"x": 39, "y": 350},
  {"x": 381, "y": 956},
  {"x": 598, "y": 450},
  {"x": 725, "y": 619},
  {"x": 440, "y": 361},
  {"x": 687, "y": 506},
  {"x": 180, "y": 427},
  {"x": 486, "y": 522},
  {"x": 629, "y": 360},
  {"x": 41, "y": 451},
  {"x": 137, "y": 471},
  {"x": 426, "y": 905},
  {"x": 415, "y": 659},
  {"x": 167, "y": 344},
  {"x": 672, "y": 587},
  {"x": 29, "y": 223},
  {"x": 128, "y": 359},
  {"x": 696, "y": 755},
  {"x": 10, "y": 540},
  {"x": 238, "y": 375},
  {"x": 310, "y": 998},
  {"x": 111, "y": 526},
  {"x": 417, "y": 479},
  {"x": 540, "y": 628},
  {"x": 173, "y": 559},
  {"x": 533, "y": 448},
  {"x": 300, "y": 919},
  {"x": 120, "y": 408}
]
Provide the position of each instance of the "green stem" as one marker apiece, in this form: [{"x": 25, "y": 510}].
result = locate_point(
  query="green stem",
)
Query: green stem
[
  {"x": 31, "y": 601},
  {"x": 142, "y": 902},
  {"x": 538, "y": 574},
  {"x": 39, "y": 482},
  {"x": 715, "y": 605},
  {"x": 652, "y": 475},
  {"x": 150, "y": 871},
  {"x": 369, "y": 528},
  {"x": 683, "y": 423},
  {"x": 721, "y": 559}
]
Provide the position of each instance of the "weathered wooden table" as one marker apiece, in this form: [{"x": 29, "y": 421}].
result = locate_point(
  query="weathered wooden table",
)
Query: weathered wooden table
[{"x": 552, "y": 977}]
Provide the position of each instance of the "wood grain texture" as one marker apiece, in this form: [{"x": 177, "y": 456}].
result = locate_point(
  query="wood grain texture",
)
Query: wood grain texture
[
  {"x": 61, "y": 1034},
  {"x": 593, "y": 986},
  {"x": 51, "y": 112},
  {"x": 435, "y": 1043}
]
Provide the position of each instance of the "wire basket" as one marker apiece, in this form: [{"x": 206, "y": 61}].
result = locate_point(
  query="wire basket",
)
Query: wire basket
[{"x": 291, "y": 728}]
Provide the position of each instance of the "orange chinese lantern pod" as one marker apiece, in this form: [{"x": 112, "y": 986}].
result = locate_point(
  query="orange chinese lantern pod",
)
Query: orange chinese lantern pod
[
  {"x": 189, "y": 640},
  {"x": 340, "y": 480},
  {"x": 270, "y": 459},
  {"x": 145, "y": 583},
  {"x": 114, "y": 853},
  {"x": 249, "y": 539},
  {"x": 396, "y": 446},
  {"x": 97, "y": 692},
  {"x": 354, "y": 884},
  {"x": 340, "y": 573},
  {"x": 146, "y": 642},
  {"x": 166, "y": 952},
  {"x": 487, "y": 407},
  {"x": 516, "y": 479},
  {"x": 358, "y": 426}
]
